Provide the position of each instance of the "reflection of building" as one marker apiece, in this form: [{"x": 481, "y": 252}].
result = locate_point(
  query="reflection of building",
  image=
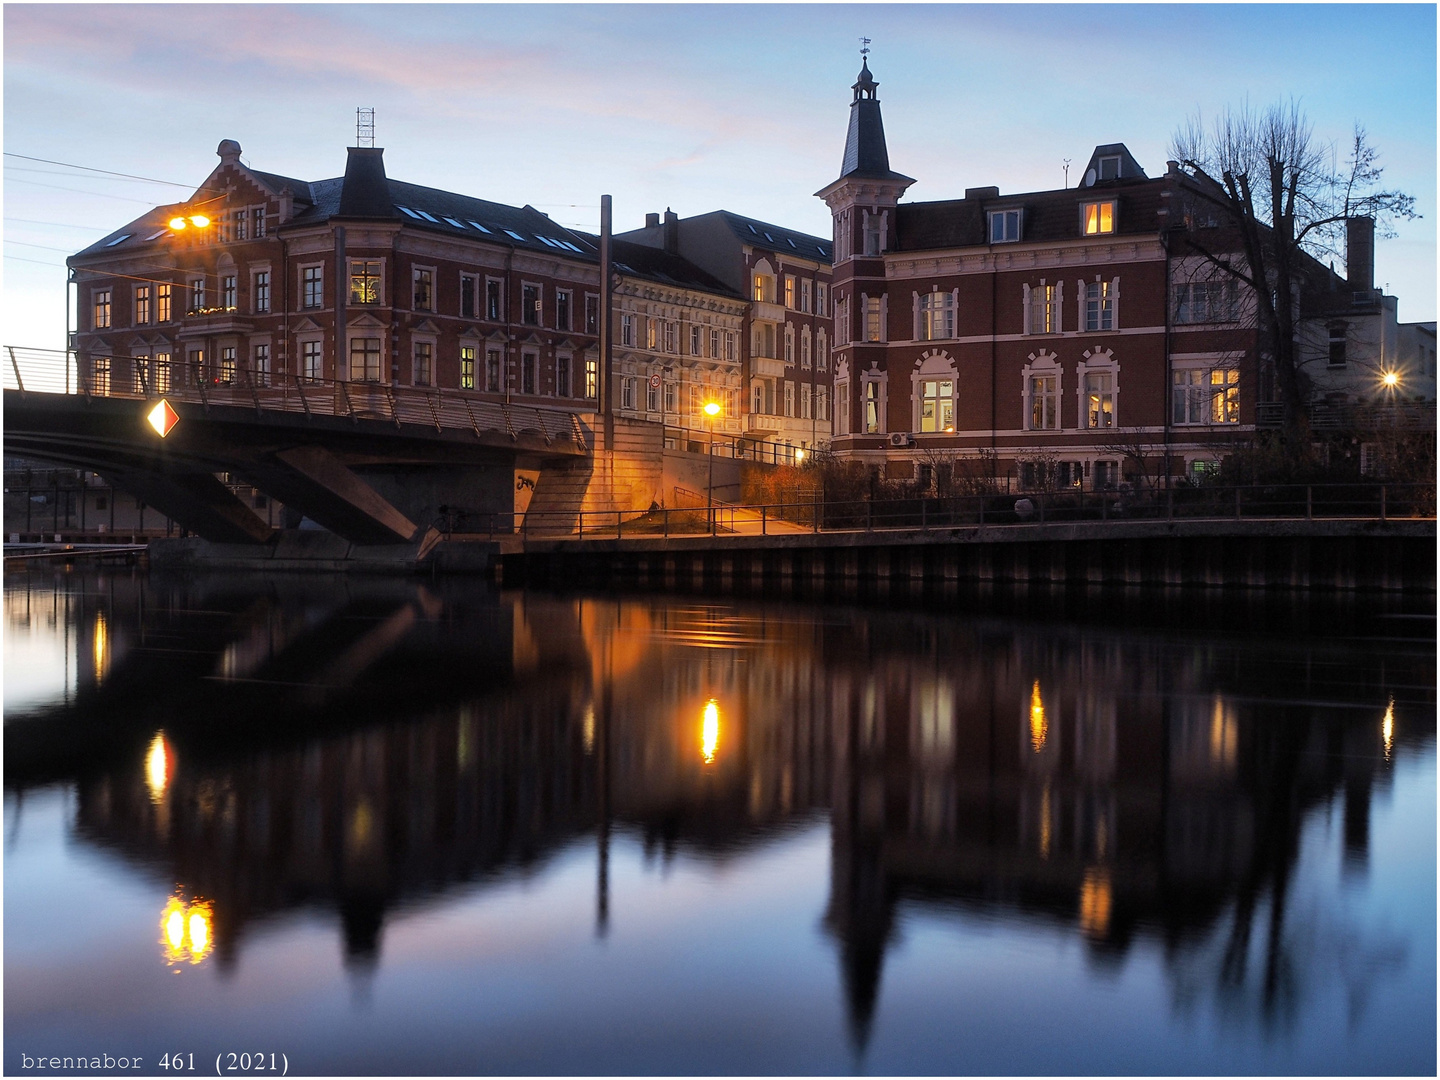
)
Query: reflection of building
[{"x": 1109, "y": 783}]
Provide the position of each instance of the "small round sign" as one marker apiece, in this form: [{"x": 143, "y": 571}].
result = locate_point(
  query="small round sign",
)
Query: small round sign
[{"x": 655, "y": 381}]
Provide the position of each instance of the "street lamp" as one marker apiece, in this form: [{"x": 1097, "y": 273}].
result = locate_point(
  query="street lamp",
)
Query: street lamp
[
  {"x": 712, "y": 410},
  {"x": 198, "y": 220}
]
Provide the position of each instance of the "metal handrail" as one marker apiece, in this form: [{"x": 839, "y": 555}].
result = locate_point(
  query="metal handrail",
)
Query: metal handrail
[{"x": 49, "y": 371}]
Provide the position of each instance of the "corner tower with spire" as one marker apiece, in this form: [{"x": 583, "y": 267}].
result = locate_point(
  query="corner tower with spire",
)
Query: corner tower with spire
[
  {"x": 862, "y": 204},
  {"x": 862, "y": 198}
]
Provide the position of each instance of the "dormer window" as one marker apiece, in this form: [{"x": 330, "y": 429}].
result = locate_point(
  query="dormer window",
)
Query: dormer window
[
  {"x": 1108, "y": 168},
  {"x": 1004, "y": 226},
  {"x": 1097, "y": 218}
]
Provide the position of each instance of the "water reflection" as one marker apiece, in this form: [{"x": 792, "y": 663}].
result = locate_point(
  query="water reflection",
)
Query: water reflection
[{"x": 365, "y": 748}]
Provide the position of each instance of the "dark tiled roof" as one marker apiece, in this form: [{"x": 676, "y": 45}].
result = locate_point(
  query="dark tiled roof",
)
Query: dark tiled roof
[
  {"x": 1048, "y": 215},
  {"x": 279, "y": 183},
  {"x": 776, "y": 238},
  {"x": 655, "y": 264}
]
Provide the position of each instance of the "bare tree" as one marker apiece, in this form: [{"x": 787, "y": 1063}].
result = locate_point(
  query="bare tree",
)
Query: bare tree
[{"x": 1283, "y": 199}]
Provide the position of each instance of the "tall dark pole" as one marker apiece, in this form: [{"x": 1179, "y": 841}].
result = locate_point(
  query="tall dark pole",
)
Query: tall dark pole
[
  {"x": 607, "y": 299},
  {"x": 340, "y": 300}
]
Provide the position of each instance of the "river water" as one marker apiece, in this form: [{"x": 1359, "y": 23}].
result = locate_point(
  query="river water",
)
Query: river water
[{"x": 412, "y": 827}]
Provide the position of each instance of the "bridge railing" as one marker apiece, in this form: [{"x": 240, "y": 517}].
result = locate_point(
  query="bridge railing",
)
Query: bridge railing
[
  {"x": 1373, "y": 501},
  {"x": 218, "y": 382}
]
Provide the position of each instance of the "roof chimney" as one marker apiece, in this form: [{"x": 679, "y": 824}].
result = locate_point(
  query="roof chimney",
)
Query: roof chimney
[
  {"x": 365, "y": 192},
  {"x": 1360, "y": 253},
  {"x": 652, "y": 221},
  {"x": 672, "y": 232}
]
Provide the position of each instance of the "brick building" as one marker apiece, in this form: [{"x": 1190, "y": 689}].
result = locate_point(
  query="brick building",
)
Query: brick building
[
  {"x": 1028, "y": 334},
  {"x": 784, "y": 276}
]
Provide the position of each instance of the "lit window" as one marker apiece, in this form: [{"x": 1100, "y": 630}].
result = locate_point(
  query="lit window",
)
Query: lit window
[
  {"x": 142, "y": 304},
  {"x": 937, "y": 405},
  {"x": 790, "y": 291},
  {"x": 1099, "y": 399},
  {"x": 1044, "y": 309},
  {"x": 227, "y": 365},
  {"x": 592, "y": 379},
  {"x": 227, "y": 292},
  {"x": 872, "y": 318},
  {"x": 365, "y": 281},
  {"x": 467, "y": 367},
  {"x": 1206, "y": 396},
  {"x": 874, "y": 420},
  {"x": 1097, "y": 218},
  {"x": 1004, "y": 226},
  {"x": 162, "y": 303},
  {"x": 102, "y": 308}
]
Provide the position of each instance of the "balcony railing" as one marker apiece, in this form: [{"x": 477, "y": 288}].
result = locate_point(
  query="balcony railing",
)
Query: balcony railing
[{"x": 1374, "y": 416}]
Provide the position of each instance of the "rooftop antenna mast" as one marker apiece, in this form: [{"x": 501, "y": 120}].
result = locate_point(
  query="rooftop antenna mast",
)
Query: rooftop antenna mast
[
  {"x": 864, "y": 46},
  {"x": 1066, "y": 167},
  {"x": 365, "y": 127}
]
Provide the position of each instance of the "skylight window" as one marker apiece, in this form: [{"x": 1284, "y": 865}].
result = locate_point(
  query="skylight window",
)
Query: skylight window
[
  {"x": 452, "y": 221},
  {"x": 156, "y": 235},
  {"x": 477, "y": 225},
  {"x": 769, "y": 237},
  {"x": 572, "y": 247},
  {"x": 118, "y": 240},
  {"x": 822, "y": 251},
  {"x": 406, "y": 210},
  {"x": 546, "y": 240},
  {"x": 427, "y": 217},
  {"x": 516, "y": 235},
  {"x": 754, "y": 230},
  {"x": 792, "y": 243}
]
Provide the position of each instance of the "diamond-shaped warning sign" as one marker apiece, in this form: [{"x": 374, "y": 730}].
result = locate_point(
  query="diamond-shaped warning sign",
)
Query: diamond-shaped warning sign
[{"x": 163, "y": 418}]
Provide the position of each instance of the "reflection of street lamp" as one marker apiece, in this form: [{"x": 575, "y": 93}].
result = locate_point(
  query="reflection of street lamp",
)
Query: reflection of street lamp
[
  {"x": 710, "y": 731},
  {"x": 712, "y": 410}
]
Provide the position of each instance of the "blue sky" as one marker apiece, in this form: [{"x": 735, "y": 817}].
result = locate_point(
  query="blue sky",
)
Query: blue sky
[{"x": 691, "y": 107}]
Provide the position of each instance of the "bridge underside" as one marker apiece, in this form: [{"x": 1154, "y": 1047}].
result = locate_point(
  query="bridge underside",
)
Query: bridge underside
[{"x": 371, "y": 481}]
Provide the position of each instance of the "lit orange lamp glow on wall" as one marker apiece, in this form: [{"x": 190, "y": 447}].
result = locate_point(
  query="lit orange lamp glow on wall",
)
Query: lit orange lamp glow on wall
[{"x": 1039, "y": 726}]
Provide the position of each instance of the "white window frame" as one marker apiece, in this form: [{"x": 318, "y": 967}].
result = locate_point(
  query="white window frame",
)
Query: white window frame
[
  {"x": 820, "y": 289},
  {"x": 1005, "y": 219},
  {"x": 805, "y": 352},
  {"x": 935, "y": 314},
  {"x": 1201, "y": 393},
  {"x": 1044, "y": 307},
  {"x": 1099, "y": 229},
  {"x": 350, "y": 275},
  {"x": 1043, "y": 365},
  {"x": 873, "y": 380},
  {"x": 1097, "y": 362},
  {"x": 539, "y": 303},
  {"x": 1110, "y": 299},
  {"x": 627, "y": 330}
]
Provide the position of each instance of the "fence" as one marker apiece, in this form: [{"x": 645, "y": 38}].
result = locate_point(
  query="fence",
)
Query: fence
[
  {"x": 210, "y": 382},
  {"x": 1306, "y": 502}
]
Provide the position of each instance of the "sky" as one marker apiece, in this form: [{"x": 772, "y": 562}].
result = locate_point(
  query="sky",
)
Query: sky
[{"x": 690, "y": 107}]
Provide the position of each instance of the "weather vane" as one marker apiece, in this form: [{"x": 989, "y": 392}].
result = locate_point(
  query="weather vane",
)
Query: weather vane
[{"x": 864, "y": 46}]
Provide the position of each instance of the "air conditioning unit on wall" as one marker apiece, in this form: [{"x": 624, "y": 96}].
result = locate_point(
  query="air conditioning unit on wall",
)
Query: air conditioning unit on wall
[{"x": 901, "y": 438}]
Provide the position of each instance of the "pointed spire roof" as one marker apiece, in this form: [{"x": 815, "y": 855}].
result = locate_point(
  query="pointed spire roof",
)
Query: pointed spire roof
[{"x": 865, "y": 154}]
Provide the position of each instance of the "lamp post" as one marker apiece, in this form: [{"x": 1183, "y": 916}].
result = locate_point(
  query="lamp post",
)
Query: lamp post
[{"x": 712, "y": 410}]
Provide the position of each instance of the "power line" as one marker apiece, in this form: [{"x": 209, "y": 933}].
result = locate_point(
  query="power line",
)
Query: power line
[
  {"x": 107, "y": 172},
  {"x": 57, "y": 224},
  {"x": 37, "y": 262},
  {"x": 82, "y": 191},
  {"x": 42, "y": 247}
]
